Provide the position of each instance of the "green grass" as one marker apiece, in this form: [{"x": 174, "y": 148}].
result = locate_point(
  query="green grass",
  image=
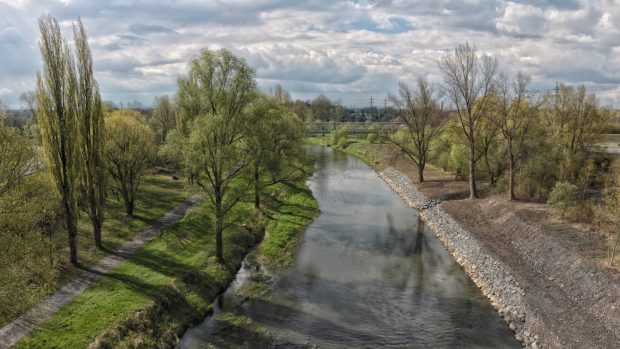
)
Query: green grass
[
  {"x": 368, "y": 152},
  {"x": 285, "y": 231},
  {"x": 169, "y": 284},
  {"x": 321, "y": 140},
  {"x": 156, "y": 196}
]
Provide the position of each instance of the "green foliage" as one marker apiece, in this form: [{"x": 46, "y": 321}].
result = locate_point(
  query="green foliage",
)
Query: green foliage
[
  {"x": 212, "y": 101},
  {"x": 275, "y": 138},
  {"x": 163, "y": 119},
  {"x": 608, "y": 211},
  {"x": 338, "y": 137},
  {"x": 372, "y": 137},
  {"x": 27, "y": 205},
  {"x": 168, "y": 285},
  {"x": 57, "y": 114},
  {"x": 563, "y": 197},
  {"x": 129, "y": 146},
  {"x": 217, "y": 83},
  {"x": 91, "y": 134},
  {"x": 170, "y": 154}
]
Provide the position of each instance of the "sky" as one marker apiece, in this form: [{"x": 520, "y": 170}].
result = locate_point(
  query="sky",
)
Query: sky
[{"x": 347, "y": 50}]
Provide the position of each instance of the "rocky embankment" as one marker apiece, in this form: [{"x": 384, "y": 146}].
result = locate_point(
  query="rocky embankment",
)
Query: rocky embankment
[{"x": 540, "y": 318}]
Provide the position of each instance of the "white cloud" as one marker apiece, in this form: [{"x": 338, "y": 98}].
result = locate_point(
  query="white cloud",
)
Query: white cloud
[{"x": 349, "y": 50}]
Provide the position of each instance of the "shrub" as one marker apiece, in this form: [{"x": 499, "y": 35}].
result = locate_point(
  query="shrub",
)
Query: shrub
[
  {"x": 372, "y": 137},
  {"x": 338, "y": 137},
  {"x": 564, "y": 196},
  {"x": 501, "y": 185}
]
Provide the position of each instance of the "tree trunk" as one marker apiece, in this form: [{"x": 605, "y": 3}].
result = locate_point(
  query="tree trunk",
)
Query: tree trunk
[
  {"x": 129, "y": 203},
  {"x": 256, "y": 189},
  {"x": 72, "y": 231},
  {"x": 511, "y": 178},
  {"x": 488, "y": 165},
  {"x": 421, "y": 171},
  {"x": 219, "y": 248},
  {"x": 473, "y": 193},
  {"x": 97, "y": 230},
  {"x": 96, "y": 219}
]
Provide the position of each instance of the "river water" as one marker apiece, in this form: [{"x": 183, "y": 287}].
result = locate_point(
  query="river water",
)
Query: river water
[{"x": 368, "y": 274}]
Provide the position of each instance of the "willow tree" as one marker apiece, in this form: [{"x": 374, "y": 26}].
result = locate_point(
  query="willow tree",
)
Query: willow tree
[
  {"x": 212, "y": 99},
  {"x": 91, "y": 129},
  {"x": 129, "y": 146},
  {"x": 57, "y": 114},
  {"x": 275, "y": 140},
  {"x": 469, "y": 84},
  {"x": 423, "y": 116}
]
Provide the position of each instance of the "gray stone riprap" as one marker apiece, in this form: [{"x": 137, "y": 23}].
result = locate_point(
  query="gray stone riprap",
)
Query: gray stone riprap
[
  {"x": 22, "y": 326},
  {"x": 493, "y": 279}
]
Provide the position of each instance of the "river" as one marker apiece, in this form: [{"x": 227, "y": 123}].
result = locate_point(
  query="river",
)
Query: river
[{"x": 368, "y": 274}]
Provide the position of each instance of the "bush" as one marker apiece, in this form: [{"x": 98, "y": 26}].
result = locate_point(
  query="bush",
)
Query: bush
[
  {"x": 563, "y": 197},
  {"x": 537, "y": 175},
  {"x": 501, "y": 184},
  {"x": 338, "y": 137},
  {"x": 372, "y": 137}
]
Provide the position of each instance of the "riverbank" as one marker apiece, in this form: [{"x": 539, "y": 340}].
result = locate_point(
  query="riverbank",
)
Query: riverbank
[
  {"x": 546, "y": 278},
  {"x": 169, "y": 285}
]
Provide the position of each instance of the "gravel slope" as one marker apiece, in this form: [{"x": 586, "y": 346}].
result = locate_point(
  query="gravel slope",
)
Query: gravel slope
[{"x": 549, "y": 296}]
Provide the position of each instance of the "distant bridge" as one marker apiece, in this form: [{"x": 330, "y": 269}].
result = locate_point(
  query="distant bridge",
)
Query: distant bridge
[{"x": 319, "y": 128}]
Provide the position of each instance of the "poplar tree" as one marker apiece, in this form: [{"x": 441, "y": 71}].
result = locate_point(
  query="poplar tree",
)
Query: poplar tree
[
  {"x": 58, "y": 119},
  {"x": 90, "y": 119}
]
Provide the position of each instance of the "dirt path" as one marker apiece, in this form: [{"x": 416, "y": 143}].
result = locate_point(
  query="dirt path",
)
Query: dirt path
[{"x": 22, "y": 326}]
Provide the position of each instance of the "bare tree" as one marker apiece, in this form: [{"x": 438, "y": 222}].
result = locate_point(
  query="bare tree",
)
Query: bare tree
[
  {"x": 423, "y": 116},
  {"x": 469, "y": 85},
  {"x": 282, "y": 95},
  {"x": 29, "y": 102}
]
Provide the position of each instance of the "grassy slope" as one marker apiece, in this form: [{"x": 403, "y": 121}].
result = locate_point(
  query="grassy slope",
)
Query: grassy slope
[
  {"x": 118, "y": 228},
  {"x": 169, "y": 284},
  {"x": 368, "y": 152},
  {"x": 276, "y": 253}
]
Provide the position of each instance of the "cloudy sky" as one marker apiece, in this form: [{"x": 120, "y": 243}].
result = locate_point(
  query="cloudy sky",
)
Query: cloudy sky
[{"x": 347, "y": 50}]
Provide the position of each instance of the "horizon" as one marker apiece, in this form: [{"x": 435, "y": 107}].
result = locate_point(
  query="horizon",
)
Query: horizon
[{"x": 347, "y": 51}]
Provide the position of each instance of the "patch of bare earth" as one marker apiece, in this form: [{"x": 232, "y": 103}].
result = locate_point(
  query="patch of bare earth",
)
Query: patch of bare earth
[{"x": 571, "y": 298}]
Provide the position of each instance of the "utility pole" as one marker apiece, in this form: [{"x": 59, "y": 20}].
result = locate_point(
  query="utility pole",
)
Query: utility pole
[{"x": 384, "y": 108}]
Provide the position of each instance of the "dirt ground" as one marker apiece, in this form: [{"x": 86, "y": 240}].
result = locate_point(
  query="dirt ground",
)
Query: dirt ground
[{"x": 573, "y": 294}]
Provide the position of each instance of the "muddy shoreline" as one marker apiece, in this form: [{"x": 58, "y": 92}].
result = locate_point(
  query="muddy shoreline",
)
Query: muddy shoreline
[{"x": 569, "y": 287}]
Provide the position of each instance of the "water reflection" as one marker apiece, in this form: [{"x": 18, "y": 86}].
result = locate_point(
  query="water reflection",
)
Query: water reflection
[{"x": 369, "y": 274}]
